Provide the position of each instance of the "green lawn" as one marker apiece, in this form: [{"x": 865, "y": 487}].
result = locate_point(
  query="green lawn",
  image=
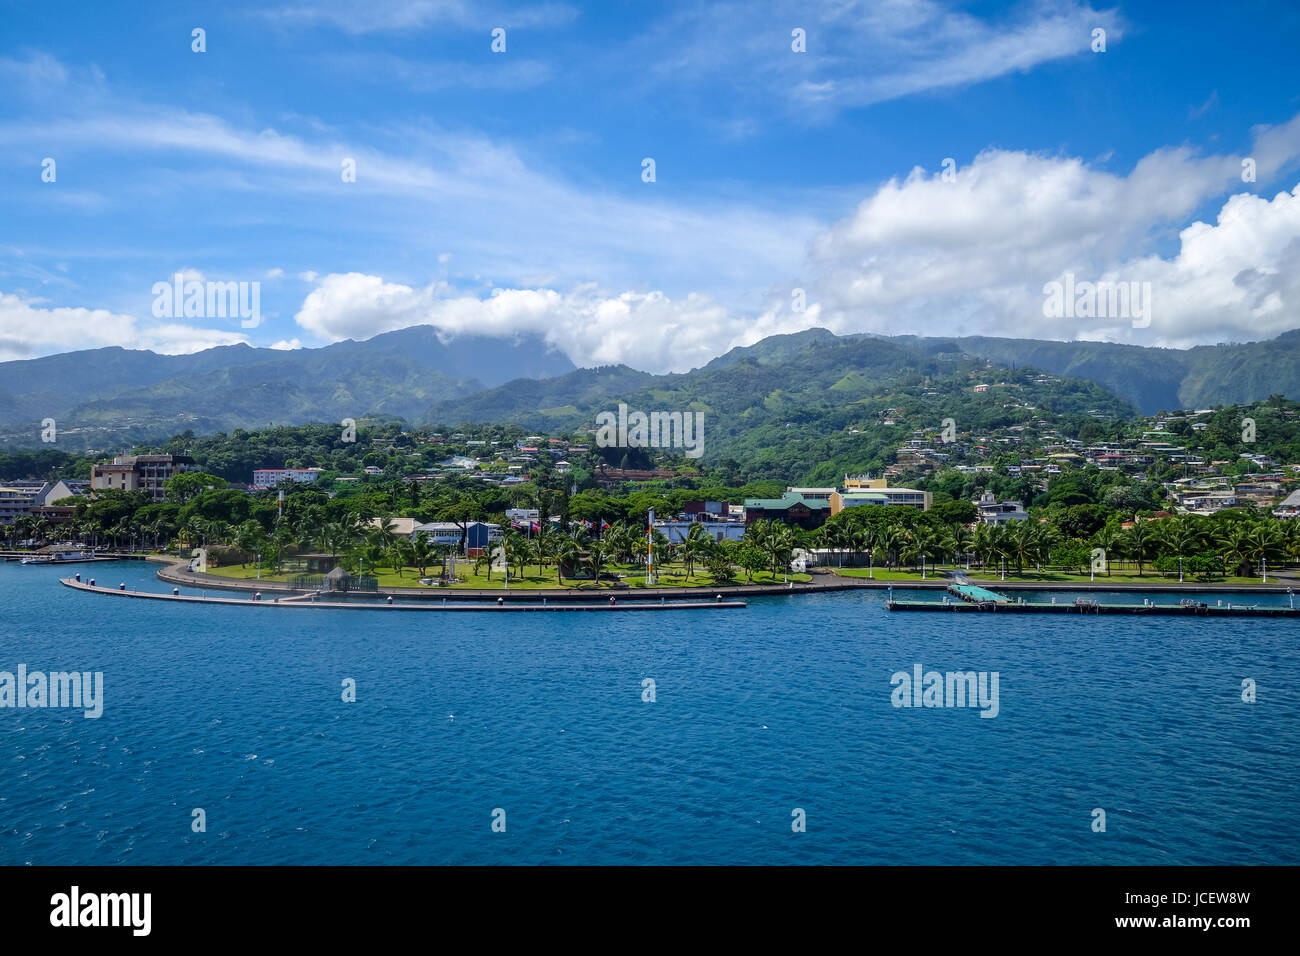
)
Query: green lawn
[
  {"x": 890, "y": 574},
  {"x": 669, "y": 576}
]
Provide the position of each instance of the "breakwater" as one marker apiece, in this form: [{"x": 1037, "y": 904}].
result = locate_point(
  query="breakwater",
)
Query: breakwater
[{"x": 306, "y": 601}]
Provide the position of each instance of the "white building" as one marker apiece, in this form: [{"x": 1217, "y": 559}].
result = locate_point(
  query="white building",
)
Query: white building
[
  {"x": 677, "y": 530},
  {"x": 270, "y": 477}
]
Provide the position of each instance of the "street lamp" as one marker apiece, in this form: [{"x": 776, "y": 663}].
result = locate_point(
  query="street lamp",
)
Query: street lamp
[{"x": 1180, "y": 569}]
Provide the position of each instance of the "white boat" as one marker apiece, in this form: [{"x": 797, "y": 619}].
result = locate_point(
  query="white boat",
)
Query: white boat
[{"x": 58, "y": 557}]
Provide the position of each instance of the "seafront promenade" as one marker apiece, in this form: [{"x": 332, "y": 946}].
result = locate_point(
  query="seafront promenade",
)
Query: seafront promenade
[
  {"x": 175, "y": 573},
  {"x": 309, "y": 601},
  {"x": 825, "y": 580}
]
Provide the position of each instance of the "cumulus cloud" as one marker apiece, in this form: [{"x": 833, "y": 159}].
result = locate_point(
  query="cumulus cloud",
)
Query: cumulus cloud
[
  {"x": 645, "y": 329},
  {"x": 29, "y": 329},
  {"x": 925, "y": 254},
  {"x": 971, "y": 253}
]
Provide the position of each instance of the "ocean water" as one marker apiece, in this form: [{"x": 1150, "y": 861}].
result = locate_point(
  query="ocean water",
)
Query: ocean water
[{"x": 783, "y": 705}]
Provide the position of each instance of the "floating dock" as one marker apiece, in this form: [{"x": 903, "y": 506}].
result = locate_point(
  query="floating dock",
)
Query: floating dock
[
  {"x": 306, "y": 601},
  {"x": 1001, "y": 605},
  {"x": 974, "y": 594}
]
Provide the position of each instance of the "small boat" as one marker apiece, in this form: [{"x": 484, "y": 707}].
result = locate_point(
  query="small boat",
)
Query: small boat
[{"x": 59, "y": 556}]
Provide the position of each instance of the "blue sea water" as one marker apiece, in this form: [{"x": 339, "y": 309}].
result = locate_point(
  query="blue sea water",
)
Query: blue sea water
[{"x": 785, "y": 704}]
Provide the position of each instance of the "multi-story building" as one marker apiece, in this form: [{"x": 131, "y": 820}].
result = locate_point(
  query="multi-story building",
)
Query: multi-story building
[
  {"x": 893, "y": 496},
  {"x": 13, "y": 503},
  {"x": 270, "y": 477},
  {"x": 790, "y": 508},
  {"x": 676, "y": 529},
  {"x": 992, "y": 511},
  {"x": 148, "y": 473}
]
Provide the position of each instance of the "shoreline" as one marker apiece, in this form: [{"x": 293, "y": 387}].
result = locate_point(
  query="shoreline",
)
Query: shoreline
[
  {"x": 173, "y": 573},
  {"x": 476, "y": 606}
]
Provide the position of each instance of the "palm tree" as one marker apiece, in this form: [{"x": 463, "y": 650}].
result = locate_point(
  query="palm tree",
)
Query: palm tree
[
  {"x": 1139, "y": 542},
  {"x": 1179, "y": 537},
  {"x": 565, "y": 552},
  {"x": 891, "y": 542},
  {"x": 422, "y": 552},
  {"x": 959, "y": 541},
  {"x": 518, "y": 552},
  {"x": 1263, "y": 540},
  {"x": 1045, "y": 538},
  {"x": 834, "y": 538},
  {"x": 596, "y": 554},
  {"x": 1111, "y": 542},
  {"x": 494, "y": 549},
  {"x": 694, "y": 547},
  {"x": 543, "y": 543},
  {"x": 923, "y": 542}
]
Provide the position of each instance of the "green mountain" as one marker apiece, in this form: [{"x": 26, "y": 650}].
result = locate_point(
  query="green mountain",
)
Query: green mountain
[
  {"x": 807, "y": 397},
  {"x": 1156, "y": 379},
  {"x": 104, "y": 397},
  {"x": 811, "y": 381}
]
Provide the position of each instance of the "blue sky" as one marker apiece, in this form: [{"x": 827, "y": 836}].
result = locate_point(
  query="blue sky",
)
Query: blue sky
[{"x": 503, "y": 192}]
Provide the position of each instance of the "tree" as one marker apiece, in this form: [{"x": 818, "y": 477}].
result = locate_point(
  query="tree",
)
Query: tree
[
  {"x": 751, "y": 559},
  {"x": 422, "y": 552},
  {"x": 188, "y": 485},
  {"x": 595, "y": 560},
  {"x": 1139, "y": 543},
  {"x": 694, "y": 547}
]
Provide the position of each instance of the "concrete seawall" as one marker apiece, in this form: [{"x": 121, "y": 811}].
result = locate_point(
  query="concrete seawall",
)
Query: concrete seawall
[
  {"x": 1170, "y": 610},
  {"x": 302, "y": 601}
]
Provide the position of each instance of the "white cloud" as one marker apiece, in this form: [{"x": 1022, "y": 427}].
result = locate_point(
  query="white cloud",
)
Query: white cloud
[
  {"x": 971, "y": 256},
  {"x": 285, "y": 345},
  {"x": 29, "y": 329},
  {"x": 177, "y": 339},
  {"x": 382, "y": 16},
  {"x": 859, "y": 52},
  {"x": 647, "y": 330}
]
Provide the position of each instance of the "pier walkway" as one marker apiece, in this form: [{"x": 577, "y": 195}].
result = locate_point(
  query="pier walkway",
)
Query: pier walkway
[{"x": 304, "y": 601}]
